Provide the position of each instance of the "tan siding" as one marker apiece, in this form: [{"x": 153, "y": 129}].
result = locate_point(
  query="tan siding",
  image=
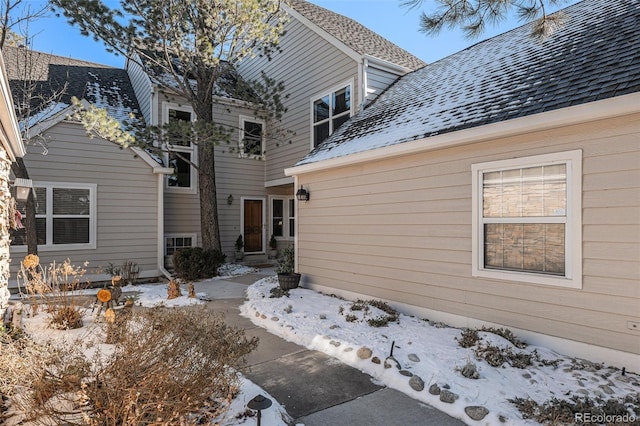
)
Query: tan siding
[
  {"x": 126, "y": 197},
  {"x": 400, "y": 229},
  {"x": 377, "y": 81},
  {"x": 308, "y": 65}
]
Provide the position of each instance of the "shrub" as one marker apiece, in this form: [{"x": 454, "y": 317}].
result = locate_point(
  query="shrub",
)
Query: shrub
[
  {"x": 195, "y": 263},
  {"x": 286, "y": 262},
  {"x": 168, "y": 367},
  {"x": 468, "y": 338}
]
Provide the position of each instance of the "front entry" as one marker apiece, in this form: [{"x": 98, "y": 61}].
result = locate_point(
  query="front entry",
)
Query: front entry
[{"x": 253, "y": 226}]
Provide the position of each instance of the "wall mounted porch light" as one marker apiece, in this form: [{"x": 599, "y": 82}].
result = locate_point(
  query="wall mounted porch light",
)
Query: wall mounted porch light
[
  {"x": 303, "y": 194},
  {"x": 23, "y": 186},
  {"x": 230, "y": 199}
]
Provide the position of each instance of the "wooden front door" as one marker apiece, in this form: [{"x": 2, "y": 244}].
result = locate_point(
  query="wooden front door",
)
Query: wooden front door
[{"x": 253, "y": 226}]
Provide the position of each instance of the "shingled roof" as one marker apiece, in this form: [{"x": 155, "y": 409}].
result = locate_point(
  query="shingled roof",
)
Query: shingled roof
[
  {"x": 101, "y": 85},
  {"x": 594, "y": 56},
  {"x": 356, "y": 36}
]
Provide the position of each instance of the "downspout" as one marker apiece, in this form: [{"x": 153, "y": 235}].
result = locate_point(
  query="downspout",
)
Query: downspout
[{"x": 364, "y": 83}]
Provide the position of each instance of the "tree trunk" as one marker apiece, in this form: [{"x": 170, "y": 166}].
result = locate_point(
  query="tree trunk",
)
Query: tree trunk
[
  {"x": 209, "y": 223},
  {"x": 20, "y": 171}
]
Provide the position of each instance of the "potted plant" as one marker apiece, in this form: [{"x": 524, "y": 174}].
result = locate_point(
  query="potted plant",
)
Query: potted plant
[
  {"x": 287, "y": 279},
  {"x": 239, "y": 248},
  {"x": 273, "y": 247}
]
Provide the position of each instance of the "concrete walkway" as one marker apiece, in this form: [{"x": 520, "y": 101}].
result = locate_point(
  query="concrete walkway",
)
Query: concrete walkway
[{"x": 315, "y": 389}]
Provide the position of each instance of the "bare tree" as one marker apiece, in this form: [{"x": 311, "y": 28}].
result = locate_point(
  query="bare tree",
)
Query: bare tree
[
  {"x": 15, "y": 16},
  {"x": 474, "y": 15}
]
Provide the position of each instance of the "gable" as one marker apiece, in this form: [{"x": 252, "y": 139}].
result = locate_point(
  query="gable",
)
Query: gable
[{"x": 593, "y": 57}]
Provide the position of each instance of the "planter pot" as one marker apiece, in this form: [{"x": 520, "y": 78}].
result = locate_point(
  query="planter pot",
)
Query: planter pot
[
  {"x": 239, "y": 256},
  {"x": 288, "y": 281},
  {"x": 273, "y": 253}
]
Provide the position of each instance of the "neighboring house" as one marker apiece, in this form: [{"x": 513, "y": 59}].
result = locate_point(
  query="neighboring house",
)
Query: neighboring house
[
  {"x": 498, "y": 186},
  {"x": 330, "y": 66},
  {"x": 11, "y": 147},
  {"x": 95, "y": 201}
]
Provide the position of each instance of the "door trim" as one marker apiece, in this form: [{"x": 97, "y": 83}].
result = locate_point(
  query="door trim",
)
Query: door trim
[{"x": 263, "y": 225}]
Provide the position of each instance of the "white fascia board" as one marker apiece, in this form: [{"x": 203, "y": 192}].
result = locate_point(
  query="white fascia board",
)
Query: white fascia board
[
  {"x": 322, "y": 33},
  {"x": 157, "y": 168},
  {"x": 278, "y": 182},
  {"x": 12, "y": 138},
  {"x": 608, "y": 108},
  {"x": 44, "y": 125}
]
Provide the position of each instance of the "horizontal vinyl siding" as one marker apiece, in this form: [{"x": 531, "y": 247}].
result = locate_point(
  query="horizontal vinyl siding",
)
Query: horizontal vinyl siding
[
  {"x": 142, "y": 87},
  {"x": 126, "y": 197},
  {"x": 377, "y": 81},
  {"x": 308, "y": 65},
  {"x": 400, "y": 230}
]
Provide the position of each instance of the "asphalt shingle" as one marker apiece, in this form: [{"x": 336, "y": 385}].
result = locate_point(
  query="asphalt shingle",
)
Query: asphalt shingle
[{"x": 596, "y": 55}]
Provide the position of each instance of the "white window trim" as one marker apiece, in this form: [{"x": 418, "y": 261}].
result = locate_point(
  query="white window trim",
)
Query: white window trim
[
  {"x": 194, "y": 240},
  {"x": 573, "y": 229},
  {"x": 285, "y": 220},
  {"x": 93, "y": 208},
  {"x": 350, "y": 83},
  {"x": 242, "y": 154},
  {"x": 193, "y": 189}
]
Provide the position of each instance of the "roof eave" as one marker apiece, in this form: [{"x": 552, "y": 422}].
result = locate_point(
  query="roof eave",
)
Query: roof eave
[
  {"x": 597, "y": 110},
  {"x": 11, "y": 137}
]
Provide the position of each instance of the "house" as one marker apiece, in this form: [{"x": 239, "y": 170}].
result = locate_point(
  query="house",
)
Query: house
[
  {"x": 142, "y": 211},
  {"x": 95, "y": 202},
  {"x": 498, "y": 186},
  {"x": 11, "y": 148},
  {"x": 330, "y": 66}
]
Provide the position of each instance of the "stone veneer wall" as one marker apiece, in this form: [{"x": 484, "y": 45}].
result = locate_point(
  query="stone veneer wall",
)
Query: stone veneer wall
[{"x": 5, "y": 203}]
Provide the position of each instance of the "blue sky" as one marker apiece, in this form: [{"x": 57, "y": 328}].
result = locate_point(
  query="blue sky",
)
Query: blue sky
[{"x": 386, "y": 17}]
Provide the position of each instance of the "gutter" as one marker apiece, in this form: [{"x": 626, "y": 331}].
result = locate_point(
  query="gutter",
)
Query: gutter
[{"x": 608, "y": 108}]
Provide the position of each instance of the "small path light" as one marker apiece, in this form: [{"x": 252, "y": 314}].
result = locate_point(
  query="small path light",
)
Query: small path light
[{"x": 259, "y": 403}]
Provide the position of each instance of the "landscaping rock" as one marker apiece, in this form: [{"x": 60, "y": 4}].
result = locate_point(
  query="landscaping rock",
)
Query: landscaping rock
[
  {"x": 391, "y": 362},
  {"x": 375, "y": 360},
  {"x": 349, "y": 349},
  {"x": 364, "y": 353},
  {"x": 263, "y": 316},
  {"x": 470, "y": 371},
  {"x": 416, "y": 383},
  {"x": 476, "y": 412},
  {"x": 434, "y": 389},
  {"x": 334, "y": 326},
  {"x": 406, "y": 373},
  {"x": 413, "y": 357},
  {"x": 607, "y": 389},
  {"x": 335, "y": 343},
  {"x": 448, "y": 396},
  {"x": 276, "y": 319}
]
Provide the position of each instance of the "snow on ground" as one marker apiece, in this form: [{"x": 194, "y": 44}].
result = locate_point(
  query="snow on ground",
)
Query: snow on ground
[
  {"x": 150, "y": 295},
  {"x": 430, "y": 351}
]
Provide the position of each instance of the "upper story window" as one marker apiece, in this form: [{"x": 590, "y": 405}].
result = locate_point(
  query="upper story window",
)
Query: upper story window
[
  {"x": 251, "y": 144},
  {"x": 182, "y": 154},
  {"x": 527, "y": 219},
  {"x": 65, "y": 216},
  {"x": 328, "y": 112}
]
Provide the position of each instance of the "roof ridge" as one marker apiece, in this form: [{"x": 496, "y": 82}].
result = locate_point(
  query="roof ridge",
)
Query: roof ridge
[{"x": 356, "y": 36}]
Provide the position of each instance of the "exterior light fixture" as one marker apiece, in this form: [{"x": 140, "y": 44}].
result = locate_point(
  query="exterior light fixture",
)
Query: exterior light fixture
[
  {"x": 230, "y": 199},
  {"x": 23, "y": 186},
  {"x": 259, "y": 403},
  {"x": 303, "y": 194}
]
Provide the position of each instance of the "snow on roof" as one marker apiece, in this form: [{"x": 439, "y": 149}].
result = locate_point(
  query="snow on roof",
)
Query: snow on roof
[
  {"x": 57, "y": 79},
  {"x": 594, "y": 56}
]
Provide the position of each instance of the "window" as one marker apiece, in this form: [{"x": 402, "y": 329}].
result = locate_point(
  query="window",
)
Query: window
[
  {"x": 328, "y": 112},
  {"x": 251, "y": 138},
  {"x": 527, "y": 219},
  {"x": 181, "y": 155},
  {"x": 283, "y": 217},
  {"x": 65, "y": 216},
  {"x": 174, "y": 243}
]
